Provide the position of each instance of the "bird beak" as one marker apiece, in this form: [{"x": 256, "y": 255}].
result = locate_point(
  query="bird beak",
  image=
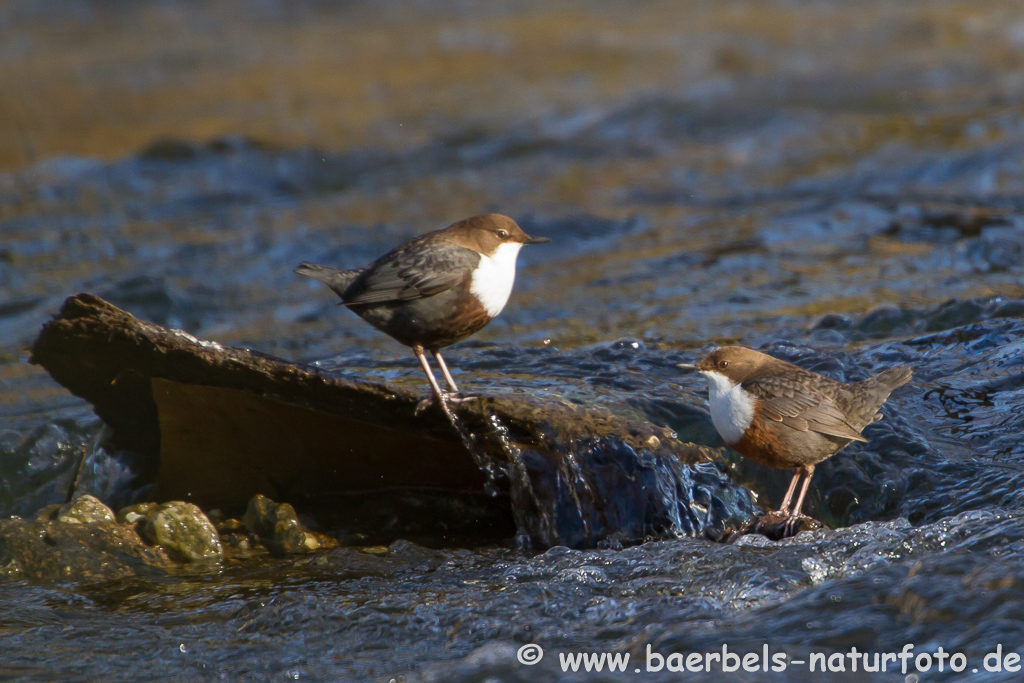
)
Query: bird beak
[
  {"x": 536, "y": 240},
  {"x": 687, "y": 366}
]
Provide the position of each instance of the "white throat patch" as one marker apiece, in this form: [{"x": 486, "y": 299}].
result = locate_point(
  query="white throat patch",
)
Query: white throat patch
[
  {"x": 493, "y": 278},
  {"x": 732, "y": 408}
]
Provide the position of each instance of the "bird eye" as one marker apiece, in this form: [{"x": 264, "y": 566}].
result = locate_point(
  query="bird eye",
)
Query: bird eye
[
  {"x": 723, "y": 363},
  {"x": 503, "y": 234}
]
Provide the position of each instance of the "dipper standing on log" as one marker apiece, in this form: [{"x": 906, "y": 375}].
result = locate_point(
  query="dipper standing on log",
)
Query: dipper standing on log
[
  {"x": 780, "y": 415},
  {"x": 435, "y": 289}
]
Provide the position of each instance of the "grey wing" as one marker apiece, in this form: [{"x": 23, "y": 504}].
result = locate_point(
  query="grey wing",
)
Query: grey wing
[
  {"x": 405, "y": 274},
  {"x": 800, "y": 407}
]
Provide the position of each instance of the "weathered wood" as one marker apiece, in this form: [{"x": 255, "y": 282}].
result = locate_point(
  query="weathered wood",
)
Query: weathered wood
[
  {"x": 216, "y": 403},
  {"x": 222, "y": 424}
]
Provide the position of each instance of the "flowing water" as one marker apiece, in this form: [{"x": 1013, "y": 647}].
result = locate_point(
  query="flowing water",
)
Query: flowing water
[{"x": 841, "y": 184}]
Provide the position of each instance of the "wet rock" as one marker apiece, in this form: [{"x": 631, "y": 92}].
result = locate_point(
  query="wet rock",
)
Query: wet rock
[
  {"x": 776, "y": 526},
  {"x": 1008, "y": 309},
  {"x": 883, "y": 320},
  {"x": 136, "y": 514},
  {"x": 278, "y": 527},
  {"x": 620, "y": 349},
  {"x": 889, "y": 320},
  {"x": 997, "y": 249},
  {"x": 237, "y": 545},
  {"x": 37, "y": 466},
  {"x": 171, "y": 149},
  {"x": 953, "y": 314},
  {"x": 44, "y": 550},
  {"x": 827, "y": 338},
  {"x": 229, "y": 526},
  {"x": 832, "y": 321},
  {"x": 184, "y": 531},
  {"x": 49, "y": 513},
  {"x": 609, "y": 490},
  {"x": 85, "y": 510},
  {"x": 400, "y": 558}
]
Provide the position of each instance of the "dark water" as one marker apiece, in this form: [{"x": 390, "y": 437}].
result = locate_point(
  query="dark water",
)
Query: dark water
[{"x": 724, "y": 175}]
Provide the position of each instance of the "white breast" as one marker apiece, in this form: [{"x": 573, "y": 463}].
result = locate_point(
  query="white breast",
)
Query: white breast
[
  {"x": 493, "y": 278},
  {"x": 732, "y": 408}
]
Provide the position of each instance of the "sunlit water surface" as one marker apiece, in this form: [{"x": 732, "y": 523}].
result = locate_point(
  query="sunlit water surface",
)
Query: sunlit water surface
[{"x": 841, "y": 183}]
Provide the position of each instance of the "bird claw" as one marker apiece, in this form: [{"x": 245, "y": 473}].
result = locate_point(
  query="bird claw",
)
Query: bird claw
[
  {"x": 775, "y": 517},
  {"x": 789, "y": 527},
  {"x": 425, "y": 403},
  {"x": 459, "y": 398},
  {"x": 449, "y": 398},
  {"x": 796, "y": 523},
  {"x": 779, "y": 524}
]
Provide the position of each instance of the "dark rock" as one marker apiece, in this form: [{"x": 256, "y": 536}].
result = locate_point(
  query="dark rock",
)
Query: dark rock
[
  {"x": 882, "y": 320},
  {"x": 888, "y": 319},
  {"x": 1009, "y": 309},
  {"x": 60, "y": 551},
  {"x": 832, "y": 321},
  {"x": 184, "y": 530},
  {"x": 953, "y": 314},
  {"x": 238, "y": 545},
  {"x": 620, "y": 349},
  {"x": 37, "y": 467},
  {"x": 49, "y": 513},
  {"x": 827, "y": 338},
  {"x": 278, "y": 527},
  {"x": 230, "y": 526},
  {"x": 169, "y": 149},
  {"x": 997, "y": 249}
]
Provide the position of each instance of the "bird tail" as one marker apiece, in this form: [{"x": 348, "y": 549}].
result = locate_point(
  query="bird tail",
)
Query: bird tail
[
  {"x": 337, "y": 280},
  {"x": 888, "y": 380}
]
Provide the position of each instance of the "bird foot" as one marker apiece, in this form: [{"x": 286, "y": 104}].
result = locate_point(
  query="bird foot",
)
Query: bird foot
[
  {"x": 425, "y": 403},
  {"x": 462, "y": 398},
  {"x": 779, "y": 524},
  {"x": 448, "y": 397},
  {"x": 800, "y": 522}
]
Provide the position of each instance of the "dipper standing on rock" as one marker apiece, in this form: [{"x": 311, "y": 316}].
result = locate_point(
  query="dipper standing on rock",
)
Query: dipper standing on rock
[
  {"x": 781, "y": 415},
  {"x": 435, "y": 289}
]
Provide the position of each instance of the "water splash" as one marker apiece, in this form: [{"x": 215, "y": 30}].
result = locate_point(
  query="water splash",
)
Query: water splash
[
  {"x": 491, "y": 468},
  {"x": 527, "y": 510},
  {"x": 601, "y": 491}
]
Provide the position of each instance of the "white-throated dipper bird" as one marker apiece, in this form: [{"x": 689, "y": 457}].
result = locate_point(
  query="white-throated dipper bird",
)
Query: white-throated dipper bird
[
  {"x": 780, "y": 415},
  {"x": 435, "y": 289}
]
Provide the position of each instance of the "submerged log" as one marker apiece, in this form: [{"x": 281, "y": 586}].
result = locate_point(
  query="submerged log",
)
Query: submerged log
[{"x": 222, "y": 424}]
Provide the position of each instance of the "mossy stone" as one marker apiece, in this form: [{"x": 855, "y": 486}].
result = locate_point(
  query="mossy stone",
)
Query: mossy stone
[
  {"x": 85, "y": 510},
  {"x": 184, "y": 531}
]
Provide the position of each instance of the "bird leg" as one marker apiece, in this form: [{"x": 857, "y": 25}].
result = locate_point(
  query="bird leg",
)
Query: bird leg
[
  {"x": 438, "y": 395},
  {"x": 784, "y": 508},
  {"x": 450, "y": 381},
  {"x": 809, "y": 471},
  {"x": 444, "y": 369}
]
